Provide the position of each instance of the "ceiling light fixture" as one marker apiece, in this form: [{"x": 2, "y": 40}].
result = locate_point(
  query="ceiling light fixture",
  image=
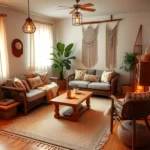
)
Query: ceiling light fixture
[
  {"x": 29, "y": 26},
  {"x": 76, "y": 18}
]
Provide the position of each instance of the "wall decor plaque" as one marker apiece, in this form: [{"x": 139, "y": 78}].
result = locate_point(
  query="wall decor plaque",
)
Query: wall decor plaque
[{"x": 17, "y": 47}]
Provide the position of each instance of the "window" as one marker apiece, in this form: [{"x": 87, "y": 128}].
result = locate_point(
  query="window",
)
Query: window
[
  {"x": 41, "y": 47},
  {"x": 4, "y": 65}
]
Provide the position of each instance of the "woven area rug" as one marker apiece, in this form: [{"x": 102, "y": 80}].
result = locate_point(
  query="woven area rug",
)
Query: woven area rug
[{"x": 40, "y": 127}]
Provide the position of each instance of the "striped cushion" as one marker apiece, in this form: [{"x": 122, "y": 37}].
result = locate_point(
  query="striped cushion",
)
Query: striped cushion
[
  {"x": 137, "y": 96},
  {"x": 26, "y": 85}
]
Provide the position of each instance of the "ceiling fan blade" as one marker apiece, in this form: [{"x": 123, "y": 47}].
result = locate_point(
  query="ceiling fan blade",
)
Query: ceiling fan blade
[
  {"x": 87, "y": 5},
  {"x": 88, "y": 9},
  {"x": 73, "y": 11},
  {"x": 65, "y": 8}
]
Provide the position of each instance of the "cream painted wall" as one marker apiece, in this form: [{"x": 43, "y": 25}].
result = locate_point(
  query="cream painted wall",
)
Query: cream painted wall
[
  {"x": 14, "y": 22},
  {"x": 127, "y": 33}
]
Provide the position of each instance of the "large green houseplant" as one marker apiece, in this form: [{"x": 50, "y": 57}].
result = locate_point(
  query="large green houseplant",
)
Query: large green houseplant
[
  {"x": 128, "y": 62},
  {"x": 62, "y": 58},
  {"x": 128, "y": 65}
]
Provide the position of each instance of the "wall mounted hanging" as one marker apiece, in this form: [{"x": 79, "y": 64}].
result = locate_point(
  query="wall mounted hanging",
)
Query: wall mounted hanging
[
  {"x": 17, "y": 48},
  {"x": 89, "y": 46},
  {"x": 111, "y": 37},
  {"x": 138, "y": 42},
  {"x": 28, "y": 26}
]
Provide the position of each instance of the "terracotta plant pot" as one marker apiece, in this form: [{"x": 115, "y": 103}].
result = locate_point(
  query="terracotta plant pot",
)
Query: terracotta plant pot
[
  {"x": 62, "y": 84},
  {"x": 126, "y": 88}
]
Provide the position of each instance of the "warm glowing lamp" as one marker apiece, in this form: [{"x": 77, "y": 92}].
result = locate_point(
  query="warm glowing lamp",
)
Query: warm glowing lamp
[
  {"x": 140, "y": 89},
  {"x": 77, "y": 19},
  {"x": 147, "y": 50},
  {"x": 28, "y": 26}
]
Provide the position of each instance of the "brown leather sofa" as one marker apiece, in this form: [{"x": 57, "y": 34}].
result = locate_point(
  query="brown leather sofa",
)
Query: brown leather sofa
[{"x": 98, "y": 88}]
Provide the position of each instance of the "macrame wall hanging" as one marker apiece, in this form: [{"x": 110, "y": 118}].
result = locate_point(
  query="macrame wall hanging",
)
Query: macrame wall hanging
[
  {"x": 111, "y": 36},
  {"x": 89, "y": 46}
]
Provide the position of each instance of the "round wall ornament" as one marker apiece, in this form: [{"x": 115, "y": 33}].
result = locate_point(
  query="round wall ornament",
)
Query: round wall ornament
[{"x": 17, "y": 47}]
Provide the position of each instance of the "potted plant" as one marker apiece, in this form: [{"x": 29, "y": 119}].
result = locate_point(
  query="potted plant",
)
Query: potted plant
[
  {"x": 128, "y": 65},
  {"x": 62, "y": 59}
]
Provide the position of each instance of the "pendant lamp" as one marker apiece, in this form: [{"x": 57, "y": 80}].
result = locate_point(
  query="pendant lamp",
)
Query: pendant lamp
[
  {"x": 29, "y": 26},
  {"x": 77, "y": 19}
]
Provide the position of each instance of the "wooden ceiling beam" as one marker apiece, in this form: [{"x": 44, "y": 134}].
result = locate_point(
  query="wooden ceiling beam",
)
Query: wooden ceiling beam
[{"x": 95, "y": 22}]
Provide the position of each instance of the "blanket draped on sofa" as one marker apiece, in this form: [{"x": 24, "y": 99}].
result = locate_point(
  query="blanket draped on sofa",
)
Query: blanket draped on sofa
[{"x": 50, "y": 89}]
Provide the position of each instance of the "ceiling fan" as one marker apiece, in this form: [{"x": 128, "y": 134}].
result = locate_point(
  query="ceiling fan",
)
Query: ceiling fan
[{"x": 84, "y": 7}]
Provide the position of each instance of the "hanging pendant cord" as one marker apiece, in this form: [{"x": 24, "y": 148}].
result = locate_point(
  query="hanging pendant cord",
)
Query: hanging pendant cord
[{"x": 28, "y": 9}]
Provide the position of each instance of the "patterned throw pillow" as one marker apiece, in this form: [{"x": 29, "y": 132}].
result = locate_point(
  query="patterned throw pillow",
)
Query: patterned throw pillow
[
  {"x": 91, "y": 78},
  {"x": 30, "y": 75},
  {"x": 44, "y": 77},
  {"x": 35, "y": 82},
  {"x": 79, "y": 74},
  {"x": 26, "y": 85},
  {"x": 137, "y": 96},
  {"x": 107, "y": 76},
  {"x": 18, "y": 83}
]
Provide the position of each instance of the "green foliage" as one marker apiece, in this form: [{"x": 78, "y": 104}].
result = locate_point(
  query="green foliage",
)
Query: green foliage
[
  {"x": 62, "y": 58},
  {"x": 128, "y": 62}
]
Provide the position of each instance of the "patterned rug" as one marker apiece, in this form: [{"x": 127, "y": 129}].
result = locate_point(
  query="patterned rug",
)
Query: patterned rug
[{"x": 40, "y": 127}]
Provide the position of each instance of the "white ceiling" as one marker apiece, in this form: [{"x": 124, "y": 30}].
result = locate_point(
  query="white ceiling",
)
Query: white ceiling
[{"x": 103, "y": 7}]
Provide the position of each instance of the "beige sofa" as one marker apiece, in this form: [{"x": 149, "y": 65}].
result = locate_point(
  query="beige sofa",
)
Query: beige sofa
[
  {"x": 98, "y": 88},
  {"x": 27, "y": 100}
]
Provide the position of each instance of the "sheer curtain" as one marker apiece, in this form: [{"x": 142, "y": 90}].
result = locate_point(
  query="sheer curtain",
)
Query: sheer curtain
[
  {"x": 41, "y": 44},
  {"x": 4, "y": 64}
]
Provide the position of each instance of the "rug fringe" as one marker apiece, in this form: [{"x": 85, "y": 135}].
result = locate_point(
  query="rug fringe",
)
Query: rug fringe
[{"x": 31, "y": 141}]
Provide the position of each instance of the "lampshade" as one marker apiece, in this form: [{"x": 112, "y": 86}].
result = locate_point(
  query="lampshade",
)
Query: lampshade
[
  {"x": 28, "y": 26},
  {"x": 76, "y": 19},
  {"x": 147, "y": 50}
]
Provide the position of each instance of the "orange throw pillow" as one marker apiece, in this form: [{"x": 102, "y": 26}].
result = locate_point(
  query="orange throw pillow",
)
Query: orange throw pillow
[
  {"x": 35, "y": 82},
  {"x": 44, "y": 77},
  {"x": 26, "y": 85},
  {"x": 30, "y": 75}
]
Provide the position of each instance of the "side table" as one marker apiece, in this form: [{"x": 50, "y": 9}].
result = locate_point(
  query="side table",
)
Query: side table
[{"x": 9, "y": 111}]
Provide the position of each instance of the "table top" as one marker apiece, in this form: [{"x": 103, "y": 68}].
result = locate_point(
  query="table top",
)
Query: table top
[
  {"x": 79, "y": 98},
  {"x": 9, "y": 106}
]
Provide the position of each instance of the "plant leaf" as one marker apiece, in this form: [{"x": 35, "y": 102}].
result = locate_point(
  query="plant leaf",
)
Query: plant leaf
[
  {"x": 53, "y": 55},
  {"x": 73, "y": 57},
  {"x": 69, "y": 47},
  {"x": 58, "y": 69}
]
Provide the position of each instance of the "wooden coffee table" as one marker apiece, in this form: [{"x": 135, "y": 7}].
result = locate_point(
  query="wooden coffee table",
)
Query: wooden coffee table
[{"x": 75, "y": 103}]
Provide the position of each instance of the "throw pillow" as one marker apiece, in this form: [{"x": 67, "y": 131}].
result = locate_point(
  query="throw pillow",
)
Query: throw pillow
[
  {"x": 137, "y": 96},
  {"x": 30, "y": 75},
  {"x": 18, "y": 83},
  {"x": 91, "y": 78},
  {"x": 26, "y": 85},
  {"x": 79, "y": 74},
  {"x": 107, "y": 76},
  {"x": 35, "y": 82},
  {"x": 44, "y": 77}
]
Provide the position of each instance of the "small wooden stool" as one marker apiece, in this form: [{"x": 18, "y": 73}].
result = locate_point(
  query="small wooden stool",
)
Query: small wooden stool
[{"x": 9, "y": 111}]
